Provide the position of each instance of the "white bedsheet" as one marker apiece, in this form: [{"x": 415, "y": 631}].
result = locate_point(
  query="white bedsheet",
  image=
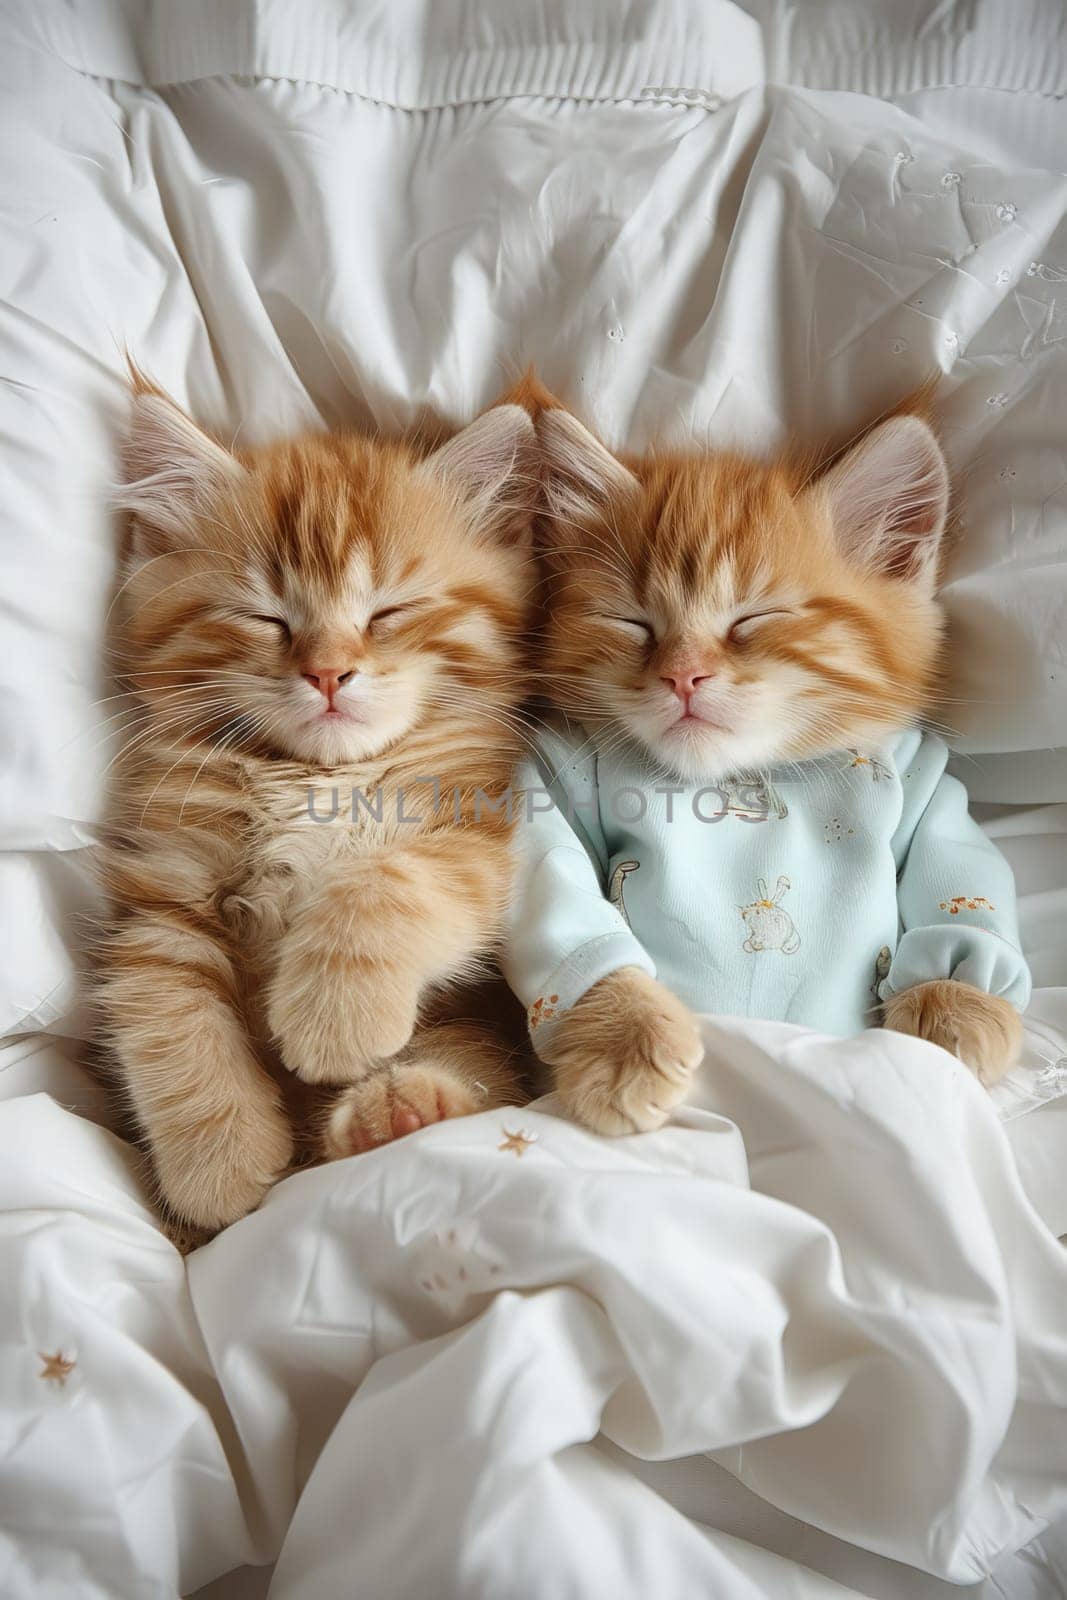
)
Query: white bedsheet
[
  {"x": 430, "y": 1367},
  {"x": 814, "y": 1330}
]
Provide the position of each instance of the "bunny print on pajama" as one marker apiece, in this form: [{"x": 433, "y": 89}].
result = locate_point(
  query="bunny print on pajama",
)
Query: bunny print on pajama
[{"x": 769, "y": 927}]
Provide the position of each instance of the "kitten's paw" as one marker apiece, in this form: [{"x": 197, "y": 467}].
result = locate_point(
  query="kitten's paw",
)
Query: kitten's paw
[
  {"x": 337, "y": 1019},
  {"x": 625, "y": 1055},
  {"x": 384, "y": 1018},
  {"x": 984, "y": 1031},
  {"x": 219, "y": 1169},
  {"x": 393, "y": 1102}
]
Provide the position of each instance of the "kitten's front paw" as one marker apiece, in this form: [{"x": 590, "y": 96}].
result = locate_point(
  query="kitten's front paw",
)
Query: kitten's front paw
[
  {"x": 625, "y": 1055},
  {"x": 984, "y": 1031},
  {"x": 337, "y": 1018},
  {"x": 218, "y": 1169},
  {"x": 393, "y": 1102}
]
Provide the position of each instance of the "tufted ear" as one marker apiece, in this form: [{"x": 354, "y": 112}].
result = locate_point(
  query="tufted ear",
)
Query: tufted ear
[
  {"x": 580, "y": 475},
  {"x": 173, "y": 472},
  {"x": 492, "y": 466},
  {"x": 888, "y": 500}
]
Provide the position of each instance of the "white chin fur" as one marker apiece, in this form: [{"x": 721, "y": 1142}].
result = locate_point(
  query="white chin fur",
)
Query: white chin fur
[
  {"x": 698, "y": 757},
  {"x": 704, "y": 755},
  {"x": 758, "y": 738},
  {"x": 332, "y": 744},
  {"x": 301, "y": 735}
]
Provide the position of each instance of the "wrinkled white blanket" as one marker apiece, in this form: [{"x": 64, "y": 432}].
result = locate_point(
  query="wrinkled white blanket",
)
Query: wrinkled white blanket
[
  {"x": 399, "y": 1368},
  {"x": 812, "y": 1338}
]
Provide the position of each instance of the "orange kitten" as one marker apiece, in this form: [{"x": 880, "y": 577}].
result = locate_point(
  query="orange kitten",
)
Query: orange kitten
[
  {"x": 714, "y": 619},
  {"x": 323, "y": 625}
]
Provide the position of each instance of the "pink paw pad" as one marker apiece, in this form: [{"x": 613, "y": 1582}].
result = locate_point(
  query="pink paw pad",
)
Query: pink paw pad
[{"x": 405, "y": 1120}]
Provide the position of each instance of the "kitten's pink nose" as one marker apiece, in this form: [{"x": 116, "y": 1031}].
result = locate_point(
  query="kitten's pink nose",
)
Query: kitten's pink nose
[
  {"x": 684, "y": 683},
  {"x": 327, "y": 680}
]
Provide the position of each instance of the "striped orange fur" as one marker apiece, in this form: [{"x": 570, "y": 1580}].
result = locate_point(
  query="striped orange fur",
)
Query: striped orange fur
[{"x": 327, "y": 613}]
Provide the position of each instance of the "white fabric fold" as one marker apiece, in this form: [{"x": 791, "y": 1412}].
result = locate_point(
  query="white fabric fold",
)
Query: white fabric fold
[{"x": 401, "y": 1365}]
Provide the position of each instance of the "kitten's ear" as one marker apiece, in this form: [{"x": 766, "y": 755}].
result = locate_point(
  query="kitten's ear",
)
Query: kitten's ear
[
  {"x": 491, "y": 465},
  {"x": 173, "y": 473},
  {"x": 580, "y": 475},
  {"x": 888, "y": 500}
]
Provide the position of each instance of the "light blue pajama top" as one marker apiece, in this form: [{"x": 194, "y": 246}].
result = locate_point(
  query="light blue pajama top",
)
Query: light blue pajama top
[{"x": 807, "y": 897}]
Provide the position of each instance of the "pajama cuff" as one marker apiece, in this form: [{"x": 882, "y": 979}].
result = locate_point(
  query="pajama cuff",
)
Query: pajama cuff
[
  {"x": 576, "y": 975},
  {"x": 973, "y": 955}
]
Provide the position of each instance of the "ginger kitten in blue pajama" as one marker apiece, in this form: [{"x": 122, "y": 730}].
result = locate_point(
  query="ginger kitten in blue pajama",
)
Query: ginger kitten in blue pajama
[{"x": 736, "y": 810}]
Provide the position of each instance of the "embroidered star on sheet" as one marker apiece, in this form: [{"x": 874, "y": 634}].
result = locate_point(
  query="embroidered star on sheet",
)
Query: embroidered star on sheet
[
  {"x": 520, "y": 1142},
  {"x": 57, "y": 1368}
]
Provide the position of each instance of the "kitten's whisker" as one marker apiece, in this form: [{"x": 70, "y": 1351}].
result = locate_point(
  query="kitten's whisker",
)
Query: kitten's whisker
[
  {"x": 214, "y": 749},
  {"x": 145, "y": 717},
  {"x": 142, "y": 567},
  {"x": 156, "y": 727}
]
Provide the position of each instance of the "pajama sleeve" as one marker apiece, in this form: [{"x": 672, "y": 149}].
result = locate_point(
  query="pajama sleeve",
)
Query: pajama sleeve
[
  {"x": 563, "y": 934},
  {"x": 955, "y": 891}
]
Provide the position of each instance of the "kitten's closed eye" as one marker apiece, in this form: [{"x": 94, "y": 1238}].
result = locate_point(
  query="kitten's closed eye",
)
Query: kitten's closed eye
[
  {"x": 273, "y": 622},
  {"x": 633, "y": 627},
  {"x": 742, "y": 627},
  {"x": 386, "y": 614},
  {"x": 390, "y": 613}
]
